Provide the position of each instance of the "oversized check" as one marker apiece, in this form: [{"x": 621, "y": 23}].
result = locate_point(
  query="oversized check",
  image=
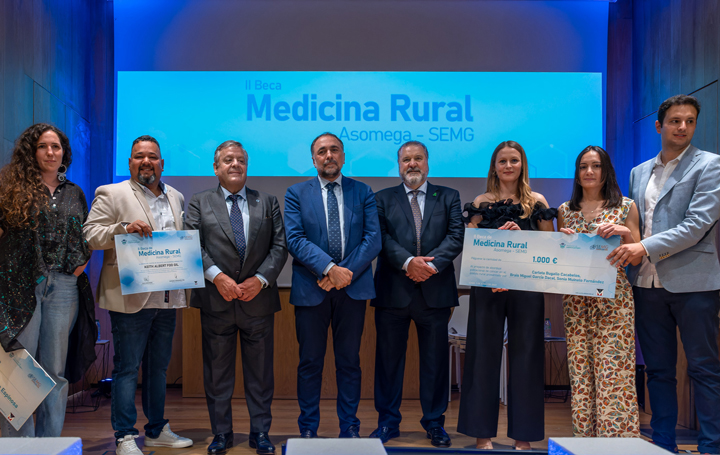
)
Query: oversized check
[
  {"x": 166, "y": 261},
  {"x": 23, "y": 386},
  {"x": 539, "y": 261}
]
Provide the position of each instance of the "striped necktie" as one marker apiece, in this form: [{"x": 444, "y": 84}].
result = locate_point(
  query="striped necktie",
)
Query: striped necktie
[{"x": 417, "y": 217}]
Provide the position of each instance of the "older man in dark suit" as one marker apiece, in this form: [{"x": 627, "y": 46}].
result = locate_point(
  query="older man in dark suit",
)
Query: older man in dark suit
[
  {"x": 422, "y": 233},
  {"x": 243, "y": 247}
]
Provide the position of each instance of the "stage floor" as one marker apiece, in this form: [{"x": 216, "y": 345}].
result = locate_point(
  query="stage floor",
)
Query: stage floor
[{"x": 189, "y": 418}]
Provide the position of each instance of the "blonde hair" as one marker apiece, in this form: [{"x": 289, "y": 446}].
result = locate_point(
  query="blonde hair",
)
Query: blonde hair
[{"x": 527, "y": 201}]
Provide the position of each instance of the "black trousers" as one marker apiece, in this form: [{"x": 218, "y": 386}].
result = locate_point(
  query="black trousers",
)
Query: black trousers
[
  {"x": 658, "y": 312},
  {"x": 480, "y": 398},
  {"x": 347, "y": 318},
  {"x": 392, "y": 325},
  {"x": 219, "y": 347}
]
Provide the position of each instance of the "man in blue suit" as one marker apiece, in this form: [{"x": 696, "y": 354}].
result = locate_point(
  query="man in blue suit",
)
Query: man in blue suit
[
  {"x": 677, "y": 282},
  {"x": 333, "y": 234}
]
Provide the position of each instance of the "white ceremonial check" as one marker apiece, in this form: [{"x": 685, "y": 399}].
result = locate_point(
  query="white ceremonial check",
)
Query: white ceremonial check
[
  {"x": 166, "y": 261},
  {"x": 23, "y": 386},
  {"x": 539, "y": 261}
]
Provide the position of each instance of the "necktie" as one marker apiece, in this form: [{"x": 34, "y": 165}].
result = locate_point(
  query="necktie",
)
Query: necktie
[
  {"x": 334, "y": 234},
  {"x": 236, "y": 221},
  {"x": 417, "y": 217}
]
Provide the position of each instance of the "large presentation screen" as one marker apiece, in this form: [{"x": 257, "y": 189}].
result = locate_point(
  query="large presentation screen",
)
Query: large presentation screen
[{"x": 460, "y": 116}]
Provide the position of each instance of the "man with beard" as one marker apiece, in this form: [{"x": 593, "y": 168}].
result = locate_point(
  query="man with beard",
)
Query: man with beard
[
  {"x": 142, "y": 324},
  {"x": 422, "y": 233},
  {"x": 333, "y": 235}
]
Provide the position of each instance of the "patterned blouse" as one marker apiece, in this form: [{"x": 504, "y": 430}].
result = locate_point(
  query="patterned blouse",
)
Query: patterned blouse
[
  {"x": 27, "y": 255},
  {"x": 576, "y": 221}
]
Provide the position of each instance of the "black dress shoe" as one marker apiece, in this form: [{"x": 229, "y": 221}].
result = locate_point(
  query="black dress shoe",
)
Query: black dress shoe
[
  {"x": 385, "y": 433},
  {"x": 353, "y": 431},
  {"x": 261, "y": 442},
  {"x": 220, "y": 444},
  {"x": 307, "y": 433},
  {"x": 438, "y": 437}
]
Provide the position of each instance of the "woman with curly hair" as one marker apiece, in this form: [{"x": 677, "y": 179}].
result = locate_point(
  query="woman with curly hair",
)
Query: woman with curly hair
[
  {"x": 42, "y": 253},
  {"x": 508, "y": 204}
]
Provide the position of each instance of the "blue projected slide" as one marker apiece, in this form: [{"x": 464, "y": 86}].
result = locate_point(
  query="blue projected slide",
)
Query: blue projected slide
[{"x": 461, "y": 117}]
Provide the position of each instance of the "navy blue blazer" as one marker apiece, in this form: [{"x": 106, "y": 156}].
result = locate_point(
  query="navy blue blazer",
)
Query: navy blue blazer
[{"x": 307, "y": 239}]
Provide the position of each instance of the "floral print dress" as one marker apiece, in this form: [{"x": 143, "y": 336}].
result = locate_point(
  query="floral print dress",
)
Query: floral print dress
[{"x": 601, "y": 346}]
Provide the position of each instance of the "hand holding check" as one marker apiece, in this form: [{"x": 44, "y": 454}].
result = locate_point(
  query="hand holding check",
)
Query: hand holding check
[
  {"x": 509, "y": 226},
  {"x": 139, "y": 227}
]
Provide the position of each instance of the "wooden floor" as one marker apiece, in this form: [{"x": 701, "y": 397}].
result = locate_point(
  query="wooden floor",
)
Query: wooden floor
[{"x": 189, "y": 418}]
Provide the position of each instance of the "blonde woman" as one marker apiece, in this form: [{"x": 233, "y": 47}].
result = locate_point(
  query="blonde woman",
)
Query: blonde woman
[{"x": 508, "y": 204}]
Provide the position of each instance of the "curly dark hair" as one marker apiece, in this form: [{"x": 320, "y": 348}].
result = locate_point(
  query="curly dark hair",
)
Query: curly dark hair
[{"x": 22, "y": 192}]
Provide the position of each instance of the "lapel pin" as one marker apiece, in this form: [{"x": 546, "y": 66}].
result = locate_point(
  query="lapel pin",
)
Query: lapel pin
[
  {"x": 257, "y": 200},
  {"x": 434, "y": 194}
]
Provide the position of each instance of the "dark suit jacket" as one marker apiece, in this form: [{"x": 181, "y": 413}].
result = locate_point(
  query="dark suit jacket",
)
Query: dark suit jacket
[
  {"x": 308, "y": 239},
  {"x": 441, "y": 237},
  {"x": 266, "y": 248}
]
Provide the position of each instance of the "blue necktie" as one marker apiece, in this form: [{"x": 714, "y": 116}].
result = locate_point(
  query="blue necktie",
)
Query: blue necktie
[
  {"x": 334, "y": 234},
  {"x": 236, "y": 220}
]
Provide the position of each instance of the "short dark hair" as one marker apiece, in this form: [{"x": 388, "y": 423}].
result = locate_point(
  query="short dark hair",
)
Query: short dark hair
[
  {"x": 225, "y": 145},
  {"x": 312, "y": 146},
  {"x": 677, "y": 100},
  {"x": 145, "y": 138},
  {"x": 417, "y": 143},
  {"x": 611, "y": 191}
]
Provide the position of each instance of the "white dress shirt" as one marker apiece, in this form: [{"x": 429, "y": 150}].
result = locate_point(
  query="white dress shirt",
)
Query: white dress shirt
[
  {"x": 164, "y": 221},
  {"x": 341, "y": 204},
  {"x": 647, "y": 276},
  {"x": 422, "y": 192},
  {"x": 214, "y": 270}
]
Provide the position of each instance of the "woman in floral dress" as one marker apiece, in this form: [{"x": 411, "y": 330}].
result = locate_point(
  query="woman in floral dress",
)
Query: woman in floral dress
[{"x": 600, "y": 332}]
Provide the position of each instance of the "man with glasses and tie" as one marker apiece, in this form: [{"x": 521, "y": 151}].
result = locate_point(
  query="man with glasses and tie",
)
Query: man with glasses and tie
[
  {"x": 333, "y": 235},
  {"x": 243, "y": 250}
]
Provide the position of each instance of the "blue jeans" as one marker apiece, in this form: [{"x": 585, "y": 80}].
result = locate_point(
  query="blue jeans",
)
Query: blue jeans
[
  {"x": 46, "y": 338},
  {"x": 145, "y": 336}
]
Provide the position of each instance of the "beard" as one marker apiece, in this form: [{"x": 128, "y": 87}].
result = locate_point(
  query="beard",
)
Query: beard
[
  {"x": 328, "y": 174},
  {"x": 146, "y": 180},
  {"x": 413, "y": 178}
]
